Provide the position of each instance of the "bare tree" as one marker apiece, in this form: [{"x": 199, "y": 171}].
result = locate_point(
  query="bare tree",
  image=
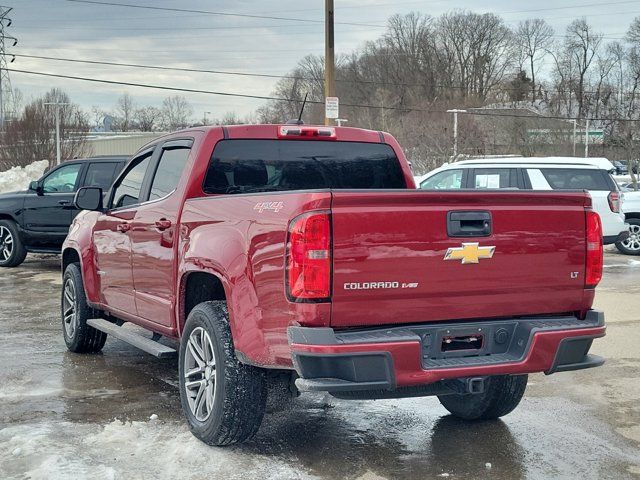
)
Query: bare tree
[
  {"x": 176, "y": 112},
  {"x": 534, "y": 37},
  {"x": 147, "y": 118},
  {"x": 97, "y": 116},
  {"x": 582, "y": 46},
  {"x": 32, "y": 136},
  {"x": 124, "y": 112},
  {"x": 479, "y": 49}
]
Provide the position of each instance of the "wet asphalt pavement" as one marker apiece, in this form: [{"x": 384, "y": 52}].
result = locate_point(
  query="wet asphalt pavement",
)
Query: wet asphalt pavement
[{"x": 88, "y": 416}]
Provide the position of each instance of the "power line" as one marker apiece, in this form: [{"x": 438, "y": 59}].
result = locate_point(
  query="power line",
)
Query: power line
[
  {"x": 318, "y": 102},
  {"x": 275, "y": 76},
  {"x": 220, "y": 14}
]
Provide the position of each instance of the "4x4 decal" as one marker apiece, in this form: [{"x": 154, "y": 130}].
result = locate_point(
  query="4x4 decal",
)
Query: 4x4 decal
[{"x": 275, "y": 206}]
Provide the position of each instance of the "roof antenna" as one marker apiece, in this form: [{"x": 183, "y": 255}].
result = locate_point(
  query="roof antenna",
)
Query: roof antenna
[{"x": 299, "y": 120}]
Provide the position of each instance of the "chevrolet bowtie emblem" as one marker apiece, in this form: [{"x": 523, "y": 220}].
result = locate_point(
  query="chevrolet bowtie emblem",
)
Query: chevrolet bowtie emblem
[{"x": 469, "y": 253}]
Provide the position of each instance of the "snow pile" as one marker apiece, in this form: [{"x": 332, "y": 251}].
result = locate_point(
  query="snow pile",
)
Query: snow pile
[{"x": 18, "y": 178}]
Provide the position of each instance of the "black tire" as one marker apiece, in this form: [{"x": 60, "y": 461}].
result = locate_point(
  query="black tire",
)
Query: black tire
[
  {"x": 238, "y": 391},
  {"x": 79, "y": 337},
  {"x": 632, "y": 245},
  {"x": 10, "y": 242},
  {"x": 501, "y": 396}
]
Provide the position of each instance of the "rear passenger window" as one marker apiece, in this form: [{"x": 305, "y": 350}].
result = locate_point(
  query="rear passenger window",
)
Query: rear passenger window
[
  {"x": 168, "y": 172},
  {"x": 575, "y": 179},
  {"x": 495, "y": 178},
  {"x": 100, "y": 175},
  {"x": 447, "y": 180}
]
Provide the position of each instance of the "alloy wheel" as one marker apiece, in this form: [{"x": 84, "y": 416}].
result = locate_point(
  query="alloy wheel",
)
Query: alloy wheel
[
  {"x": 633, "y": 242},
  {"x": 69, "y": 308},
  {"x": 200, "y": 374},
  {"x": 6, "y": 244}
]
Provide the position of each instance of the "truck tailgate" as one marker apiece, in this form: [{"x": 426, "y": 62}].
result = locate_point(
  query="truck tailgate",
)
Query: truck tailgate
[{"x": 389, "y": 253}]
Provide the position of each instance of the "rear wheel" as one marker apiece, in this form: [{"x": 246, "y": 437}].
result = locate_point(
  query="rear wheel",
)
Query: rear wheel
[
  {"x": 79, "y": 337},
  {"x": 631, "y": 246},
  {"x": 223, "y": 399},
  {"x": 12, "y": 251},
  {"x": 501, "y": 396}
]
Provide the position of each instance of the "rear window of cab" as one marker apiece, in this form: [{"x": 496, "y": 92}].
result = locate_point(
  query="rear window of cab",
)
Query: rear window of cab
[{"x": 246, "y": 166}]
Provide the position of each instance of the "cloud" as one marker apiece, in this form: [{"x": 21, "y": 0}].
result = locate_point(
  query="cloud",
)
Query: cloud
[{"x": 129, "y": 35}]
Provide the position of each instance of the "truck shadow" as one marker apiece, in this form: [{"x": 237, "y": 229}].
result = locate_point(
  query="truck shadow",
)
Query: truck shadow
[{"x": 348, "y": 441}]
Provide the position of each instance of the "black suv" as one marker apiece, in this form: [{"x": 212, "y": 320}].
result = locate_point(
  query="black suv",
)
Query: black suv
[{"x": 38, "y": 220}]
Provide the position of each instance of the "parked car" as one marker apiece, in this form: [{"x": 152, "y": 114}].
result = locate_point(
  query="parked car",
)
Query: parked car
[
  {"x": 276, "y": 253},
  {"x": 631, "y": 210},
  {"x": 620, "y": 167},
  {"x": 37, "y": 220},
  {"x": 552, "y": 173}
]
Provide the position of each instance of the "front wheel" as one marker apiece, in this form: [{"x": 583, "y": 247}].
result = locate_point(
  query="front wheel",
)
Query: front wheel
[
  {"x": 631, "y": 246},
  {"x": 501, "y": 396},
  {"x": 222, "y": 398},
  {"x": 12, "y": 251}
]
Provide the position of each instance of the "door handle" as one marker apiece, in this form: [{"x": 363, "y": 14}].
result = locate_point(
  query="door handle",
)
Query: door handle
[
  {"x": 469, "y": 224},
  {"x": 163, "y": 224},
  {"x": 123, "y": 227},
  {"x": 64, "y": 203}
]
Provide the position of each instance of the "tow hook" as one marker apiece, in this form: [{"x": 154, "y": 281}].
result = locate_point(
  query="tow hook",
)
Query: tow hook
[{"x": 466, "y": 386}]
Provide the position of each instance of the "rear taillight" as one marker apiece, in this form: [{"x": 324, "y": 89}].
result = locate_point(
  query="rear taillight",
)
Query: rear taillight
[
  {"x": 614, "y": 201},
  {"x": 308, "y": 259},
  {"x": 593, "y": 273}
]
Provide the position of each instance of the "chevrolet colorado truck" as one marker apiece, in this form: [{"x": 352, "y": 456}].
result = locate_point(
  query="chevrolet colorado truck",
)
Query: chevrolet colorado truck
[{"x": 304, "y": 255}]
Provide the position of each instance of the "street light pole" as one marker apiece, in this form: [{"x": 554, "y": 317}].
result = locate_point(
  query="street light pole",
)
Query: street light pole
[
  {"x": 574, "y": 136},
  {"x": 586, "y": 140},
  {"x": 455, "y": 112},
  {"x": 57, "y": 105}
]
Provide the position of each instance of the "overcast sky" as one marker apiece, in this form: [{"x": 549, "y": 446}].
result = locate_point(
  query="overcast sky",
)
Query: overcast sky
[{"x": 60, "y": 28}]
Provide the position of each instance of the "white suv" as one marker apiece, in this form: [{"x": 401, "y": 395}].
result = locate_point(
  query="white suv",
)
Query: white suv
[{"x": 549, "y": 173}]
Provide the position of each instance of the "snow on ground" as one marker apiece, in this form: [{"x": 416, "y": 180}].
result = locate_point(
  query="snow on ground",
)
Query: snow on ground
[
  {"x": 116, "y": 450},
  {"x": 18, "y": 178}
]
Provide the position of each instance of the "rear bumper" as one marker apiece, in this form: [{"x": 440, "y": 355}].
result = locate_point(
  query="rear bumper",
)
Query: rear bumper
[
  {"x": 410, "y": 356},
  {"x": 621, "y": 237}
]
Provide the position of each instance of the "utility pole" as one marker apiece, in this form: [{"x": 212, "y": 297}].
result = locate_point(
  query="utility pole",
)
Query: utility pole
[
  {"x": 7, "y": 102},
  {"x": 329, "y": 54},
  {"x": 57, "y": 105},
  {"x": 455, "y": 112},
  {"x": 586, "y": 140},
  {"x": 575, "y": 125}
]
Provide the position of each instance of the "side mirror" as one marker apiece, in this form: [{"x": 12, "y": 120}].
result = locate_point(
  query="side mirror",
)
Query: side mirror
[
  {"x": 35, "y": 187},
  {"x": 89, "y": 198}
]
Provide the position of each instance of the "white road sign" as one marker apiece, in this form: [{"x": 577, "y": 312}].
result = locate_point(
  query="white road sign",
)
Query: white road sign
[{"x": 331, "y": 107}]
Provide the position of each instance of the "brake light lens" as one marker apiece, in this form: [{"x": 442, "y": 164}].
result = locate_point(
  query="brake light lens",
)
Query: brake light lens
[
  {"x": 614, "y": 202},
  {"x": 593, "y": 273},
  {"x": 298, "y": 131},
  {"x": 308, "y": 260}
]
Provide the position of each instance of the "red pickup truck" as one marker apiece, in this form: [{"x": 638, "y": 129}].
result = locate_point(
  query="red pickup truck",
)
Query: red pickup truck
[{"x": 304, "y": 254}]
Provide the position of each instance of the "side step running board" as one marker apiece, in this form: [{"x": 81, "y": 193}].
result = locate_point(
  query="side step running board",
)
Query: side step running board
[{"x": 143, "y": 343}]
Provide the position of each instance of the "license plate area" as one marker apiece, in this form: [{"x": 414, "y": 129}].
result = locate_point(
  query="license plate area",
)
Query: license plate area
[
  {"x": 468, "y": 341},
  {"x": 460, "y": 343}
]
